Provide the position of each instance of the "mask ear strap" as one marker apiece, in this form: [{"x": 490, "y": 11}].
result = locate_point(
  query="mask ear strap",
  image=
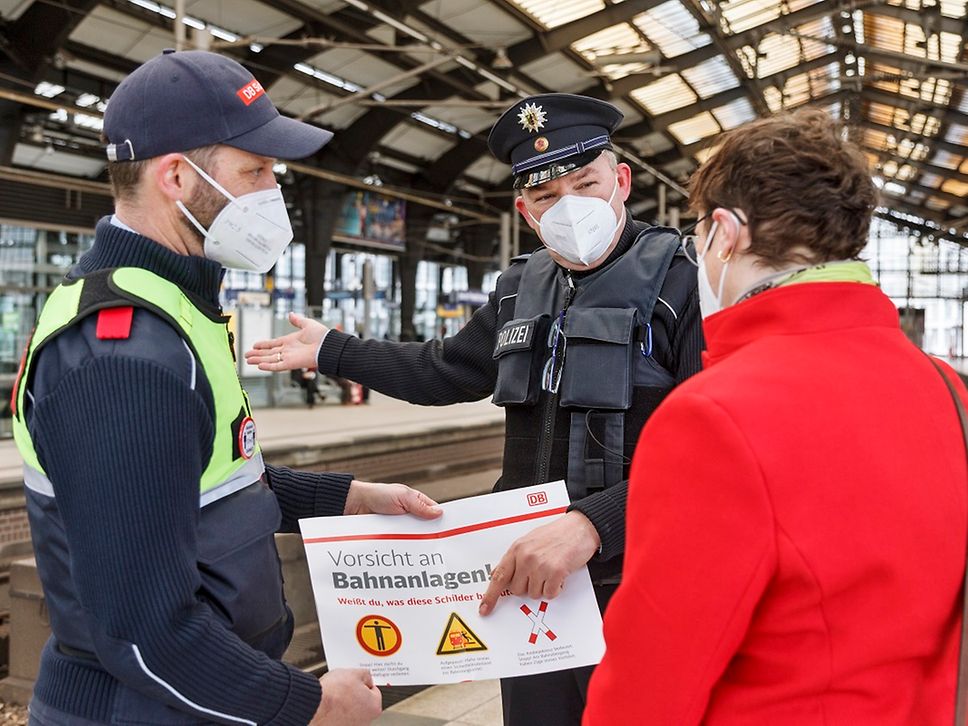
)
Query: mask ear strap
[
  {"x": 710, "y": 236},
  {"x": 209, "y": 179},
  {"x": 614, "y": 189},
  {"x": 191, "y": 218}
]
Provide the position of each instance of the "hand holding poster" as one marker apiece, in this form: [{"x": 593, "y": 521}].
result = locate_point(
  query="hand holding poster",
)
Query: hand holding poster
[{"x": 400, "y": 596}]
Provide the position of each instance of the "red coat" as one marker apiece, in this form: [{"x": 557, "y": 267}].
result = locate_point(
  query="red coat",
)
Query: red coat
[{"x": 796, "y": 529}]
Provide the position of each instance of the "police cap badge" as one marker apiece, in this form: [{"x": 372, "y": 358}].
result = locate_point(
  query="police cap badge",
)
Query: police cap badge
[{"x": 547, "y": 136}]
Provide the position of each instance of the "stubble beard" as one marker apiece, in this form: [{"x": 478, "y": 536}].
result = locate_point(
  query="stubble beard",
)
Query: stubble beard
[{"x": 205, "y": 204}]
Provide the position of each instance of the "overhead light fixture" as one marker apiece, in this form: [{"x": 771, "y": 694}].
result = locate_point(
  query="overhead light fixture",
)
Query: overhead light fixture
[{"x": 501, "y": 60}]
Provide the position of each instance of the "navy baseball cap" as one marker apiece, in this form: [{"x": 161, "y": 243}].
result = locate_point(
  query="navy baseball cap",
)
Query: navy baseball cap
[
  {"x": 181, "y": 101},
  {"x": 547, "y": 136}
]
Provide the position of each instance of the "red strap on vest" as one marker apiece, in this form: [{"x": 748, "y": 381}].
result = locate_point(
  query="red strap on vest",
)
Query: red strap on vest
[
  {"x": 114, "y": 323},
  {"x": 15, "y": 394}
]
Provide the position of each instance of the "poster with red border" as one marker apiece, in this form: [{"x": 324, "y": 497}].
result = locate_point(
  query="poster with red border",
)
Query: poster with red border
[{"x": 400, "y": 596}]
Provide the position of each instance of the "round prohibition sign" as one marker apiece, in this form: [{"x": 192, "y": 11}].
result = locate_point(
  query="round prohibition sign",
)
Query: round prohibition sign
[{"x": 378, "y": 635}]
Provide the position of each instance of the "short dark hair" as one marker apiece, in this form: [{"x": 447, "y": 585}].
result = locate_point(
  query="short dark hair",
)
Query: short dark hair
[
  {"x": 800, "y": 183},
  {"x": 126, "y": 176}
]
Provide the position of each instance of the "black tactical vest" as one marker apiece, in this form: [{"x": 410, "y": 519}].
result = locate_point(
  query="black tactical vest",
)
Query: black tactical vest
[{"x": 576, "y": 373}]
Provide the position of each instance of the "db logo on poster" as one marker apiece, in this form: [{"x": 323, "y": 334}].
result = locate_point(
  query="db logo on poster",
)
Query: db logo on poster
[{"x": 537, "y": 498}]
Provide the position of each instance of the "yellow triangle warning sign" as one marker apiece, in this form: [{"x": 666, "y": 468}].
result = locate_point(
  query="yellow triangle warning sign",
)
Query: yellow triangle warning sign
[{"x": 458, "y": 638}]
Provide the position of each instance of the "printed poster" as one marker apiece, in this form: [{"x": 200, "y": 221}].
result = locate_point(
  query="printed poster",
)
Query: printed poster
[{"x": 399, "y": 595}]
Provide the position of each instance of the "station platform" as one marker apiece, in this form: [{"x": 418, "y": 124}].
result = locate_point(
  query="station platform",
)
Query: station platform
[
  {"x": 307, "y": 438},
  {"x": 475, "y": 703}
]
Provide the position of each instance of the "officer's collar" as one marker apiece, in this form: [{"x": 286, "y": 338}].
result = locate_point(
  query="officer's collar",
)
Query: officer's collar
[{"x": 115, "y": 246}]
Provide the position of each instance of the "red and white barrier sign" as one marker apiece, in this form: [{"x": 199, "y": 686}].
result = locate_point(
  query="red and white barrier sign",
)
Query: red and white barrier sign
[{"x": 400, "y": 596}]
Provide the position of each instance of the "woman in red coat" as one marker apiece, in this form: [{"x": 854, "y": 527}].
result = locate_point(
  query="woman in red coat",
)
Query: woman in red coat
[{"x": 797, "y": 511}]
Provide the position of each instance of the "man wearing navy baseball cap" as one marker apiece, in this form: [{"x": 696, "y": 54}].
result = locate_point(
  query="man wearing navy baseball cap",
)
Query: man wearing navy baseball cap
[
  {"x": 579, "y": 343},
  {"x": 152, "y": 512}
]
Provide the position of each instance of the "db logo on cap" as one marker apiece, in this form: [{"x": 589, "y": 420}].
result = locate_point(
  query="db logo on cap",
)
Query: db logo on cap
[
  {"x": 247, "y": 437},
  {"x": 250, "y": 92}
]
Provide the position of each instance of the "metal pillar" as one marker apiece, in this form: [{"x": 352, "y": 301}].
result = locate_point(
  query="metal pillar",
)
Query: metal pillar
[
  {"x": 673, "y": 217},
  {"x": 505, "y": 240},
  {"x": 515, "y": 233},
  {"x": 179, "y": 24},
  {"x": 365, "y": 333}
]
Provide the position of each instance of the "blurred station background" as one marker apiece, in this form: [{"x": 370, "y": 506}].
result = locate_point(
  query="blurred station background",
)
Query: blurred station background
[{"x": 404, "y": 221}]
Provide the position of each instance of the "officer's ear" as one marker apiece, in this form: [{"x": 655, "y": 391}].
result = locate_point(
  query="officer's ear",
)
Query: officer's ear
[
  {"x": 624, "y": 173},
  {"x": 173, "y": 176}
]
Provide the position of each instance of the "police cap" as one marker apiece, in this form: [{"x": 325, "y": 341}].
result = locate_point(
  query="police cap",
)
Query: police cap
[{"x": 547, "y": 136}]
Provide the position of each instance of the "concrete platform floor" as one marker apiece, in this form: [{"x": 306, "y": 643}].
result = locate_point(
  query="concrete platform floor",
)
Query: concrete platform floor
[
  {"x": 328, "y": 424},
  {"x": 475, "y": 703}
]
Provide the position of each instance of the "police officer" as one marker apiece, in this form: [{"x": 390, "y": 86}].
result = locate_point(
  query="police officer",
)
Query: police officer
[
  {"x": 579, "y": 343},
  {"x": 152, "y": 513}
]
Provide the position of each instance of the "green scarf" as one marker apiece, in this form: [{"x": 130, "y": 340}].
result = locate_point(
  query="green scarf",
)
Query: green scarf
[
  {"x": 847, "y": 271},
  {"x": 840, "y": 271}
]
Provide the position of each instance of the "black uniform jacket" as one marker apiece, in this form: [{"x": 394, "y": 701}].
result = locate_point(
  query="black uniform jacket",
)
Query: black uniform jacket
[{"x": 462, "y": 368}]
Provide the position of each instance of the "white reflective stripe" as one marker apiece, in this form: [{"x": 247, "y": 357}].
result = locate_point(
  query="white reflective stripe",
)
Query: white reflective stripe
[
  {"x": 192, "y": 357},
  {"x": 247, "y": 474},
  {"x": 168, "y": 687},
  {"x": 670, "y": 308},
  {"x": 37, "y": 481}
]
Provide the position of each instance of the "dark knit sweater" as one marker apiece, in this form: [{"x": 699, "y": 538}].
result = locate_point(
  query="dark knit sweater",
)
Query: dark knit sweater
[
  {"x": 462, "y": 368},
  {"x": 124, "y": 436}
]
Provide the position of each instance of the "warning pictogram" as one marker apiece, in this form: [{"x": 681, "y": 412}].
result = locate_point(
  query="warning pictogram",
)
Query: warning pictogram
[
  {"x": 458, "y": 638},
  {"x": 537, "y": 622},
  {"x": 378, "y": 636}
]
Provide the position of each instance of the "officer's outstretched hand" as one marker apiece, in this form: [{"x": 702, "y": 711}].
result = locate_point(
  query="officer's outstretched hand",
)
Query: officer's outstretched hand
[
  {"x": 537, "y": 564},
  {"x": 296, "y": 350},
  {"x": 349, "y": 699},
  {"x": 367, "y": 497}
]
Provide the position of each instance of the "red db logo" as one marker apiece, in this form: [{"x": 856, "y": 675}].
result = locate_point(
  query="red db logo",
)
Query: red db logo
[
  {"x": 250, "y": 92},
  {"x": 537, "y": 498}
]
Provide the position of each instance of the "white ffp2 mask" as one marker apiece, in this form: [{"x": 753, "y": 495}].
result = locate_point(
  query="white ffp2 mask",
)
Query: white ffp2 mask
[
  {"x": 580, "y": 229},
  {"x": 709, "y": 302},
  {"x": 250, "y": 233}
]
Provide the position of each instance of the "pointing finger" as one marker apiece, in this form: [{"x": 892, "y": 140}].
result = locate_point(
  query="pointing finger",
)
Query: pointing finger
[{"x": 500, "y": 577}]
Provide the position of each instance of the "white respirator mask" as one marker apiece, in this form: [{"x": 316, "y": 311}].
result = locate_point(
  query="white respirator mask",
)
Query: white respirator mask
[
  {"x": 710, "y": 302},
  {"x": 580, "y": 229},
  {"x": 250, "y": 233}
]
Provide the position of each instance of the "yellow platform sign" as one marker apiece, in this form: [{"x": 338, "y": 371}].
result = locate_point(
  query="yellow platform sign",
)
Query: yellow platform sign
[{"x": 458, "y": 638}]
